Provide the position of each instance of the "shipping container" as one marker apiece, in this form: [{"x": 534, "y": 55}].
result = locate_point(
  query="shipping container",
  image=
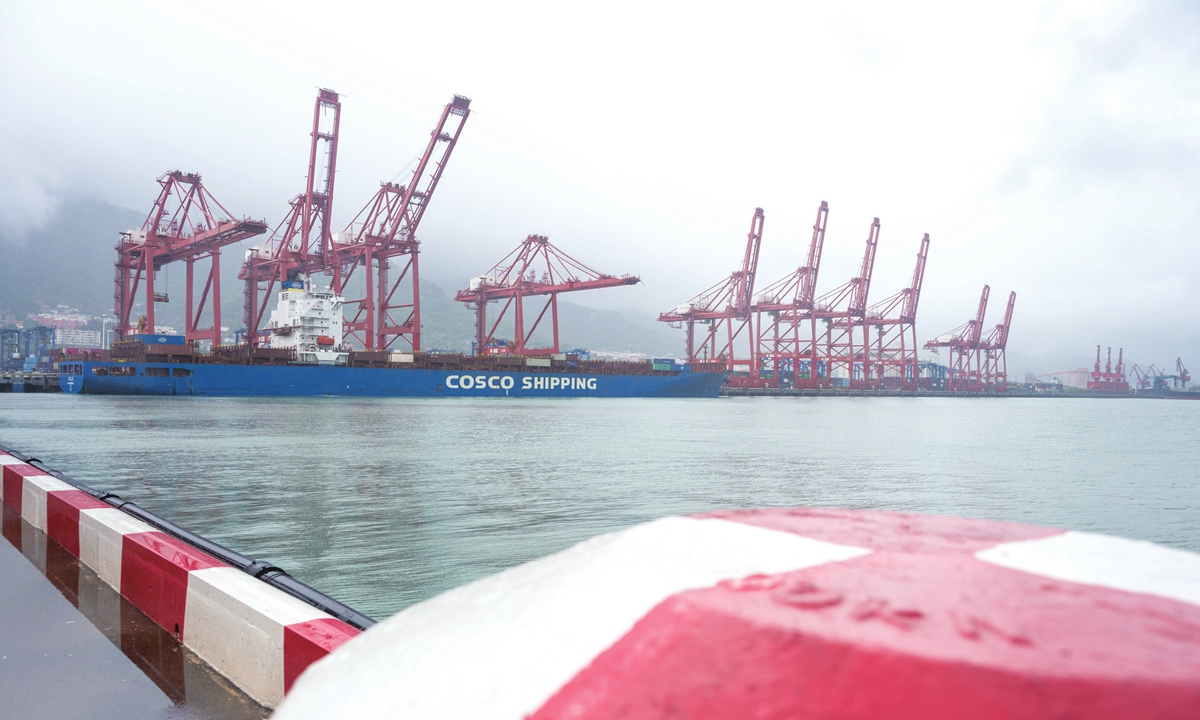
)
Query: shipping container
[{"x": 159, "y": 339}]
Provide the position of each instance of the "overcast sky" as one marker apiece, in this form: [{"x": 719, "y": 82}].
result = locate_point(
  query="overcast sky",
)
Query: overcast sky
[{"x": 1047, "y": 147}]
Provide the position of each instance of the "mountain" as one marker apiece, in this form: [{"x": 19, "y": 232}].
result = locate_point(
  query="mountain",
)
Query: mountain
[{"x": 70, "y": 261}]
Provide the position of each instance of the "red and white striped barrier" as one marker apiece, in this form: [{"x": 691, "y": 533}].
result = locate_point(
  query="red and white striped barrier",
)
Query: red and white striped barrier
[
  {"x": 792, "y": 614},
  {"x": 258, "y": 637}
]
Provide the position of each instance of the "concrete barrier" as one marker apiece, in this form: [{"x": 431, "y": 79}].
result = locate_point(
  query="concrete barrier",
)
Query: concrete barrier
[
  {"x": 792, "y": 613},
  {"x": 258, "y": 637}
]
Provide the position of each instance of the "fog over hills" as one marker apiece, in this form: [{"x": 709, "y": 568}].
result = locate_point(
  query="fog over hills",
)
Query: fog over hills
[{"x": 69, "y": 260}]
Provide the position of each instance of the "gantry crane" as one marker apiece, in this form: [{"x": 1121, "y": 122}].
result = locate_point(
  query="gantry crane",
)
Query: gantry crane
[
  {"x": 842, "y": 310},
  {"x": 966, "y": 369},
  {"x": 188, "y": 224},
  {"x": 385, "y": 229},
  {"x": 535, "y": 269},
  {"x": 785, "y": 329},
  {"x": 895, "y": 322},
  {"x": 992, "y": 348},
  {"x": 725, "y": 305},
  {"x": 1109, "y": 379},
  {"x": 302, "y": 243}
]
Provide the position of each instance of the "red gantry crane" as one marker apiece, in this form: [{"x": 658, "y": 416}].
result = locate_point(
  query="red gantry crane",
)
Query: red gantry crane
[
  {"x": 188, "y": 224},
  {"x": 535, "y": 269},
  {"x": 383, "y": 230},
  {"x": 386, "y": 230},
  {"x": 965, "y": 358},
  {"x": 843, "y": 310},
  {"x": 726, "y": 305},
  {"x": 785, "y": 333},
  {"x": 302, "y": 243},
  {"x": 895, "y": 345},
  {"x": 992, "y": 347},
  {"x": 1110, "y": 379}
]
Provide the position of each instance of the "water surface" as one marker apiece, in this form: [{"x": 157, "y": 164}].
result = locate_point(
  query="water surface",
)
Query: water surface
[{"x": 385, "y": 502}]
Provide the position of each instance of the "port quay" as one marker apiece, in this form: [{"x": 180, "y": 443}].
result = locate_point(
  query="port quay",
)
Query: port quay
[{"x": 609, "y": 361}]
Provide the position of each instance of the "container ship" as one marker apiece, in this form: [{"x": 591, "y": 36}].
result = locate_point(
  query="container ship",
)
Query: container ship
[{"x": 303, "y": 355}]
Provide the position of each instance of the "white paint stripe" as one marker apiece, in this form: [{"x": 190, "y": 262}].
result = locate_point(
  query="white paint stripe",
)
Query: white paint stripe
[
  {"x": 501, "y": 646},
  {"x": 235, "y": 623},
  {"x": 1112, "y": 562},
  {"x": 101, "y": 538},
  {"x": 33, "y": 498},
  {"x": 6, "y": 459}
]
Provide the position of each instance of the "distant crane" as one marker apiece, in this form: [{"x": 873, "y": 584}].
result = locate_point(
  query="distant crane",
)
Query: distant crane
[
  {"x": 785, "y": 333},
  {"x": 726, "y": 305},
  {"x": 843, "y": 311},
  {"x": 1109, "y": 380},
  {"x": 535, "y": 268},
  {"x": 993, "y": 346},
  {"x": 966, "y": 369},
  {"x": 1144, "y": 379},
  {"x": 1162, "y": 381},
  {"x": 895, "y": 323}
]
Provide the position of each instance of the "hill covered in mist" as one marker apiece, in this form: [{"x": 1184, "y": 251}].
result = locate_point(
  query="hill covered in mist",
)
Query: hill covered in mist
[{"x": 69, "y": 260}]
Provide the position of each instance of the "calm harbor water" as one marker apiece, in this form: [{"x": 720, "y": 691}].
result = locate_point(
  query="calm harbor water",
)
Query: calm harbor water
[{"x": 385, "y": 502}]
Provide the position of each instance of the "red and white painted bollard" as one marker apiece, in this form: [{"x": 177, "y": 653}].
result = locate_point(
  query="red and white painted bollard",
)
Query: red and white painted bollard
[{"x": 792, "y": 614}]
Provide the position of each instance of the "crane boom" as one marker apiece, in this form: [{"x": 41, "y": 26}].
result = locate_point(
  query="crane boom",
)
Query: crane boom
[
  {"x": 977, "y": 324},
  {"x": 908, "y": 312},
  {"x": 797, "y": 289},
  {"x": 744, "y": 293},
  {"x": 302, "y": 243},
  {"x": 858, "y": 302},
  {"x": 386, "y": 228},
  {"x": 808, "y": 279}
]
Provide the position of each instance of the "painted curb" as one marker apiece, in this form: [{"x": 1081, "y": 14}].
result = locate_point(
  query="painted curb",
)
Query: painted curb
[
  {"x": 258, "y": 637},
  {"x": 795, "y": 613}
]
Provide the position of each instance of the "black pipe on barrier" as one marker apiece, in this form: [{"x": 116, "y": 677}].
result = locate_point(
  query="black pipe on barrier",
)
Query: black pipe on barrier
[{"x": 267, "y": 573}]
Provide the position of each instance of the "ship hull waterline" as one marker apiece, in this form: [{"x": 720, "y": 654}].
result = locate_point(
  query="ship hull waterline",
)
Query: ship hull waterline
[{"x": 218, "y": 380}]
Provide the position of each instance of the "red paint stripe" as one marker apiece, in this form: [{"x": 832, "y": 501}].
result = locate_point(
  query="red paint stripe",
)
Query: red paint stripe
[
  {"x": 154, "y": 576},
  {"x": 307, "y": 642},
  {"x": 898, "y": 636},
  {"x": 62, "y": 516},
  {"x": 878, "y": 530},
  {"x": 14, "y": 483}
]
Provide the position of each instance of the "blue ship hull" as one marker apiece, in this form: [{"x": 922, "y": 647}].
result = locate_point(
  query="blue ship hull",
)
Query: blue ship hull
[{"x": 130, "y": 378}]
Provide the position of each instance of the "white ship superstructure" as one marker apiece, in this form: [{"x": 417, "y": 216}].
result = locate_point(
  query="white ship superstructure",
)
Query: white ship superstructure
[{"x": 310, "y": 321}]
